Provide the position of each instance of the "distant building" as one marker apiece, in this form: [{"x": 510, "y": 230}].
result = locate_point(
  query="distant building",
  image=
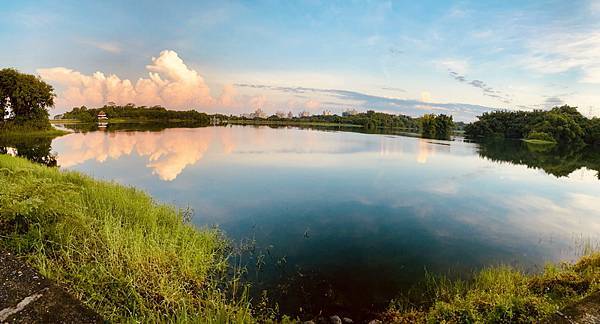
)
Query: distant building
[
  {"x": 280, "y": 114},
  {"x": 304, "y": 113},
  {"x": 327, "y": 113},
  {"x": 102, "y": 115},
  {"x": 290, "y": 115},
  {"x": 350, "y": 112}
]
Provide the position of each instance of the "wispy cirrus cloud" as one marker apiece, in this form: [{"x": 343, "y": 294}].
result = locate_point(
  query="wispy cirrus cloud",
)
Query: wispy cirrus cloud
[
  {"x": 110, "y": 47},
  {"x": 485, "y": 88},
  {"x": 566, "y": 51},
  {"x": 459, "y": 66}
]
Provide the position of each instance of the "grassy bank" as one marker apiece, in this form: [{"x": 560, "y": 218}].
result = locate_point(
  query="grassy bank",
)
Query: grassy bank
[
  {"x": 120, "y": 252},
  {"x": 23, "y": 132},
  {"x": 66, "y": 121},
  {"x": 287, "y": 123},
  {"x": 538, "y": 142},
  {"x": 128, "y": 121},
  {"x": 501, "y": 295}
]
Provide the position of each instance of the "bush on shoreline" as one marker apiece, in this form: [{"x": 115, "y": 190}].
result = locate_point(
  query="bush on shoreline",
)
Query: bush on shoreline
[{"x": 502, "y": 295}]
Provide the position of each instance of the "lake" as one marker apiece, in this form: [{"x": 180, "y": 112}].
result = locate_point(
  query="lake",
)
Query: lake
[{"x": 345, "y": 221}]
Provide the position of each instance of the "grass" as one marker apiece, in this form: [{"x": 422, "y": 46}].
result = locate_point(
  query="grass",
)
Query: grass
[
  {"x": 67, "y": 121},
  {"x": 501, "y": 295},
  {"x": 539, "y": 142},
  {"x": 14, "y": 132},
  {"x": 116, "y": 249}
]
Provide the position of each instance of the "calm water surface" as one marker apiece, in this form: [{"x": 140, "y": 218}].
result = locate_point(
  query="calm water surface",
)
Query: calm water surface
[{"x": 346, "y": 221}]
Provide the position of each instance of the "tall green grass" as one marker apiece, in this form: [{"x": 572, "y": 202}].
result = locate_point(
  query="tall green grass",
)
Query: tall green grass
[
  {"x": 120, "y": 252},
  {"x": 501, "y": 295}
]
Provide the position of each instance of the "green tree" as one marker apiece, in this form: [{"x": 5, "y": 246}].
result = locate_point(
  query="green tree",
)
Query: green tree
[
  {"x": 437, "y": 126},
  {"x": 561, "y": 124},
  {"x": 25, "y": 99}
]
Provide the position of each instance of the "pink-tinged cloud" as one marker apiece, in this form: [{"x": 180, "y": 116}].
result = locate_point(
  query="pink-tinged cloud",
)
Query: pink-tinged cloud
[
  {"x": 312, "y": 104},
  {"x": 170, "y": 83}
]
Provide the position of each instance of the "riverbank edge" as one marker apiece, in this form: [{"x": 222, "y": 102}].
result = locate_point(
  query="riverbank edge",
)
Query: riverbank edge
[
  {"x": 538, "y": 142},
  {"x": 16, "y": 132},
  {"x": 114, "y": 248},
  {"x": 503, "y": 294},
  {"x": 289, "y": 123},
  {"x": 122, "y": 121}
]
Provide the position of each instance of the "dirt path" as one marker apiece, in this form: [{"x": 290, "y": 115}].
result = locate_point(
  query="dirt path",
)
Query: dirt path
[
  {"x": 27, "y": 297},
  {"x": 583, "y": 312}
]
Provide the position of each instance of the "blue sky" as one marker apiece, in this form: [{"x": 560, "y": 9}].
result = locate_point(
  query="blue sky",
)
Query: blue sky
[{"x": 460, "y": 58}]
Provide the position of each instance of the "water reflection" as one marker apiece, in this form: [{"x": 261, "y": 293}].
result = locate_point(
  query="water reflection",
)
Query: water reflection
[
  {"x": 167, "y": 153},
  {"x": 556, "y": 160},
  {"x": 341, "y": 222},
  {"x": 36, "y": 149}
]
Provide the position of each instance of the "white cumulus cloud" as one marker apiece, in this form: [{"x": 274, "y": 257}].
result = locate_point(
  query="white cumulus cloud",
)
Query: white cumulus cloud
[{"x": 170, "y": 83}]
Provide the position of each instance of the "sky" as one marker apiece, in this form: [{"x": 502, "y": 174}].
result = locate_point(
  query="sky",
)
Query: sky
[{"x": 411, "y": 57}]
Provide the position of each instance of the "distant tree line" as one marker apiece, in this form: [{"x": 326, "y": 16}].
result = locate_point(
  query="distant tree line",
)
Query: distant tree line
[
  {"x": 369, "y": 120},
  {"x": 560, "y": 124},
  {"x": 132, "y": 111},
  {"x": 24, "y": 101}
]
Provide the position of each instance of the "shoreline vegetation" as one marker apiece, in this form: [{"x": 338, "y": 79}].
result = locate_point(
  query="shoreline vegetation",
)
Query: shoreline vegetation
[
  {"x": 133, "y": 259},
  {"x": 115, "y": 248},
  {"x": 501, "y": 294},
  {"x": 429, "y": 125},
  {"x": 22, "y": 132},
  {"x": 563, "y": 125}
]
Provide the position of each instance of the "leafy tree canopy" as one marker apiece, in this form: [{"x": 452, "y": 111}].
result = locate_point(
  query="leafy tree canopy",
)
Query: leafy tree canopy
[
  {"x": 561, "y": 124},
  {"x": 24, "y": 99}
]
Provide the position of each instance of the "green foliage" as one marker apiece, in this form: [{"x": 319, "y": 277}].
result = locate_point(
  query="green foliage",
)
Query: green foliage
[
  {"x": 558, "y": 160},
  {"x": 436, "y": 126},
  {"x": 592, "y": 135},
  {"x": 34, "y": 148},
  {"x": 502, "y": 295},
  {"x": 130, "y": 111},
  {"x": 368, "y": 120},
  {"x": 116, "y": 249},
  {"x": 24, "y": 100},
  {"x": 564, "y": 124},
  {"x": 541, "y": 136}
]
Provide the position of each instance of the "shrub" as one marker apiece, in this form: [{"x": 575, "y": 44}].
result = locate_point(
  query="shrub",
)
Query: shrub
[{"x": 540, "y": 136}]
